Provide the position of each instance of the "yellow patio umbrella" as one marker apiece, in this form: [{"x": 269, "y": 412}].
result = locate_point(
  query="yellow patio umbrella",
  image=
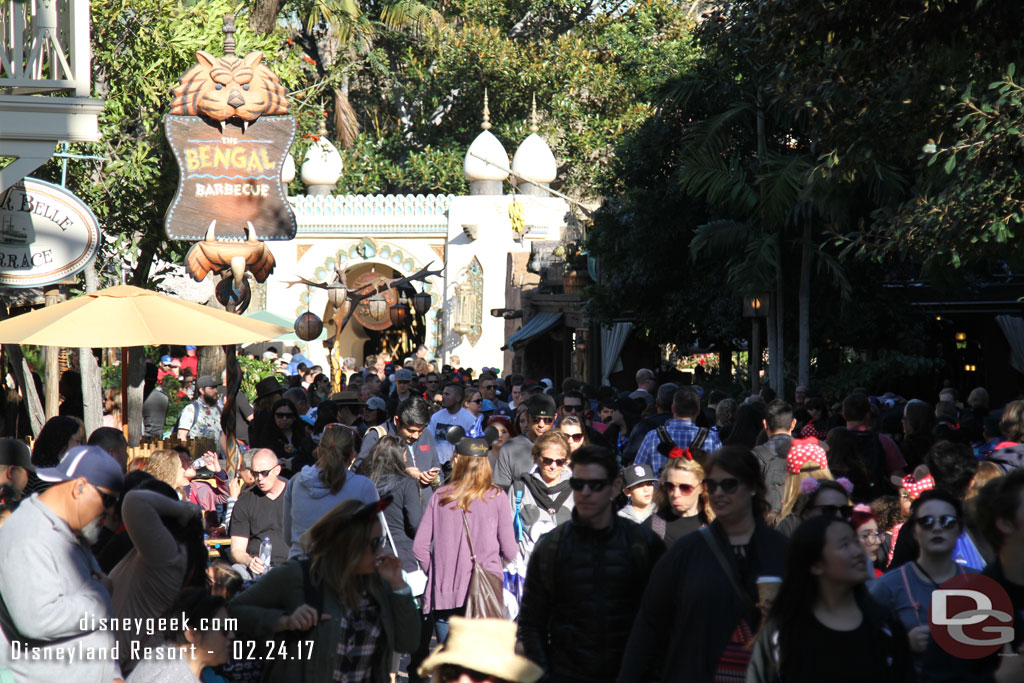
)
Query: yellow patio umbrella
[{"x": 130, "y": 316}]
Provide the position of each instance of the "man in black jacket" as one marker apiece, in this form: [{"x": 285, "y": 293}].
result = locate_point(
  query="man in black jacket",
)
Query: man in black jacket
[{"x": 585, "y": 579}]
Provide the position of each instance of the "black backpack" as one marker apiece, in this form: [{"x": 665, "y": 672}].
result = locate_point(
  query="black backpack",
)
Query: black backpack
[
  {"x": 666, "y": 444},
  {"x": 773, "y": 467}
]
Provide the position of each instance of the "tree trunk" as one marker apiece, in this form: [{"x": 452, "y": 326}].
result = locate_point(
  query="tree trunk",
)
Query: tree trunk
[
  {"x": 779, "y": 366},
  {"x": 724, "y": 364},
  {"x": 92, "y": 394},
  {"x": 773, "y": 339},
  {"x": 51, "y": 354},
  {"x": 211, "y": 358},
  {"x": 132, "y": 413},
  {"x": 804, "y": 363},
  {"x": 23, "y": 377},
  {"x": 263, "y": 17}
]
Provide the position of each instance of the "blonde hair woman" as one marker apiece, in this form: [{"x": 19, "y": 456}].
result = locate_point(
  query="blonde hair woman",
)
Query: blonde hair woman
[
  {"x": 166, "y": 466},
  {"x": 808, "y": 470},
  {"x": 682, "y": 503},
  {"x": 441, "y": 545},
  {"x": 365, "y": 614},
  {"x": 316, "y": 489}
]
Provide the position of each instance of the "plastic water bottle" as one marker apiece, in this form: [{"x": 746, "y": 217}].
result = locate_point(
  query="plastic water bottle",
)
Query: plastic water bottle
[{"x": 265, "y": 550}]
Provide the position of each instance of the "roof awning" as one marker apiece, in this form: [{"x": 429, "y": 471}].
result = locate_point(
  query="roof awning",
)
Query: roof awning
[{"x": 536, "y": 326}]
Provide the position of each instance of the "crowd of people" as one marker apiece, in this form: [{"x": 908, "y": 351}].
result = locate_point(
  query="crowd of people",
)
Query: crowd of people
[{"x": 521, "y": 531}]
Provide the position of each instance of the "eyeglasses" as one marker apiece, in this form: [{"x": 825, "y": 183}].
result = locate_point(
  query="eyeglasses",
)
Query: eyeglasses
[
  {"x": 571, "y": 408},
  {"x": 285, "y": 416},
  {"x": 560, "y": 462},
  {"x": 453, "y": 672},
  {"x": 377, "y": 543},
  {"x": 685, "y": 489},
  {"x": 545, "y": 420},
  {"x": 109, "y": 499},
  {"x": 729, "y": 485},
  {"x": 837, "y": 511},
  {"x": 596, "y": 485},
  {"x": 944, "y": 521},
  {"x": 263, "y": 473},
  {"x": 869, "y": 536},
  {"x": 578, "y": 436}
]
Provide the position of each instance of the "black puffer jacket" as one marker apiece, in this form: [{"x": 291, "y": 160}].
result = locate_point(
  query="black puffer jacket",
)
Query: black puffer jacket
[{"x": 583, "y": 589}]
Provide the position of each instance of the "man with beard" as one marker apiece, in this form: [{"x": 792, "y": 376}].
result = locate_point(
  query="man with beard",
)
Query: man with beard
[
  {"x": 515, "y": 458},
  {"x": 200, "y": 419},
  {"x": 52, "y": 592}
]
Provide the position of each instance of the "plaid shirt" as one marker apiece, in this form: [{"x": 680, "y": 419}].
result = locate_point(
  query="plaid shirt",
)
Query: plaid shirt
[
  {"x": 360, "y": 638},
  {"x": 683, "y": 432}
]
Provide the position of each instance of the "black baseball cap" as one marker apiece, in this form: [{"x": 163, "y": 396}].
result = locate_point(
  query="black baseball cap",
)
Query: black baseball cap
[
  {"x": 541, "y": 405},
  {"x": 15, "y": 453}
]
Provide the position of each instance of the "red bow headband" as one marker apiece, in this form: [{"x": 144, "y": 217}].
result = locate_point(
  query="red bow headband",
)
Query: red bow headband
[
  {"x": 804, "y": 451},
  {"x": 678, "y": 452},
  {"x": 916, "y": 487}
]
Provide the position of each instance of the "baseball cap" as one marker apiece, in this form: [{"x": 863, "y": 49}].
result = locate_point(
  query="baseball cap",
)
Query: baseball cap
[
  {"x": 637, "y": 474},
  {"x": 376, "y": 403},
  {"x": 92, "y": 462},
  {"x": 190, "y": 348},
  {"x": 487, "y": 406},
  {"x": 205, "y": 381},
  {"x": 165, "y": 360},
  {"x": 403, "y": 375},
  {"x": 16, "y": 453},
  {"x": 541, "y": 405},
  {"x": 471, "y": 446}
]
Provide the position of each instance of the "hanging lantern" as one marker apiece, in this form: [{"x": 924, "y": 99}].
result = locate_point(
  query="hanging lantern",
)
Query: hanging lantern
[
  {"x": 308, "y": 326},
  {"x": 337, "y": 293},
  {"x": 463, "y": 309},
  {"x": 421, "y": 302},
  {"x": 400, "y": 313},
  {"x": 376, "y": 306}
]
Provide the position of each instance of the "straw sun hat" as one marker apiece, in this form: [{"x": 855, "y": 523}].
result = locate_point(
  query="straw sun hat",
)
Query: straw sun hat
[{"x": 484, "y": 645}]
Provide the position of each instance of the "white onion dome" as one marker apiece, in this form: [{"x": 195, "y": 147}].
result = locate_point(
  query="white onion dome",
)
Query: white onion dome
[
  {"x": 535, "y": 161},
  {"x": 483, "y": 154},
  {"x": 288, "y": 169},
  {"x": 322, "y": 164}
]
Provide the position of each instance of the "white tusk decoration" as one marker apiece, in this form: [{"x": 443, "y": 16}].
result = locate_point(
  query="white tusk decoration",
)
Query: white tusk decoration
[{"x": 210, "y": 237}]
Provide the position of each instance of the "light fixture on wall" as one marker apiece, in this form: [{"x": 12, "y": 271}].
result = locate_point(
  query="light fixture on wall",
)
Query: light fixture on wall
[
  {"x": 400, "y": 312},
  {"x": 376, "y": 306},
  {"x": 421, "y": 303}
]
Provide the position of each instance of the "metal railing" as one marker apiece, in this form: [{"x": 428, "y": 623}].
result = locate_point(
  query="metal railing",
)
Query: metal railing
[{"x": 44, "y": 47}]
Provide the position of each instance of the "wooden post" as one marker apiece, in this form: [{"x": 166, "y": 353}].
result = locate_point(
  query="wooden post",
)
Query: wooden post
[
  {"x": 51, "y": 388},
  {"x": 755, "y": 356}
]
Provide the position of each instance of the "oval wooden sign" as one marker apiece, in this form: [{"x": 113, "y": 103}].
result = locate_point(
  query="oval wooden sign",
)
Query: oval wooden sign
[{"x": 47, "y": 234}]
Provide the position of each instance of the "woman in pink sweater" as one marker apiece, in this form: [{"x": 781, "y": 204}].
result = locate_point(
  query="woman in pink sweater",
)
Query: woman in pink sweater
[{"x": 441, "y": 547}]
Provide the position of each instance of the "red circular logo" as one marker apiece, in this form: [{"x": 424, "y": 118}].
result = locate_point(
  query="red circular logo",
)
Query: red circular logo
[{"x": 971, "y": 616}]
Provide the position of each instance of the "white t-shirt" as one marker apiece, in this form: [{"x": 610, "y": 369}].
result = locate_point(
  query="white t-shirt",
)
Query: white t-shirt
[{"x": 439, "y": 425}]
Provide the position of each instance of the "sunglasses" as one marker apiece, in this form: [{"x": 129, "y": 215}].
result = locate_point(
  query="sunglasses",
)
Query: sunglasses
[
  {"x": 263, "y": 473},
  {"x": 578, "y": 436},
  {"x": 837, "y": 511},
  {"x": 686, "y": 489},
  {"x": 596, "y": 485},
  {"x": 453, "y": 672},
  {"x": 571, "y": 409},
  {"x": 560, "y": 462},
  {"x": 944, "y": 521},
  {"x": 109, "y": 499},
  {"x": 729, "y": 485},
  {"x": 476, "y": 400},
  {"x": 545, "y": 420},
  {"x": 285, "y": 416},
  {"x": 488, "y": 386}
]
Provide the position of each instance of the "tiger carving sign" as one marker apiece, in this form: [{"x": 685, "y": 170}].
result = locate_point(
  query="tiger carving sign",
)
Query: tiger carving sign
[{"x": 229, "y": 130}]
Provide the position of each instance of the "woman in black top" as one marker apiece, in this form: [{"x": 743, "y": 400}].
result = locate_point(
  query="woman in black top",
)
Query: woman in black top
[
  {"x": 698, "y": 611},
  {"x": 283, "y": 432},
  {"x": 823, "y": 625},
  {"x": 681, "y": 503},
  {"x": 385, "y": 466}
]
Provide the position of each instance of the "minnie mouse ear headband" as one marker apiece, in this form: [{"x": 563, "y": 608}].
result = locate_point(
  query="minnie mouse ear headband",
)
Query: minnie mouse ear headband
[
  {"x": 804, "y": 451},
  {"x": 915, "y": 483},
  {"x": 466, "y": 445}
]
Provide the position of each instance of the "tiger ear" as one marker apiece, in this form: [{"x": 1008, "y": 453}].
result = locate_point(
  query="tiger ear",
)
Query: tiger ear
[
  {"x": 205, "y": 59},
  {"x": 252, "y": 59}
]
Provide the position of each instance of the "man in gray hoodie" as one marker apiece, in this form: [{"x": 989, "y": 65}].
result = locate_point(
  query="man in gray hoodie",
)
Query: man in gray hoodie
[{"x": 55, "y": 598}]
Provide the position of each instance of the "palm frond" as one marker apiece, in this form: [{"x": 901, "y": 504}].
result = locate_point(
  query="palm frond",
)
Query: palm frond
[
  {"x": 783, "y": 181},
  {"x": 720, "y": 238},
  {"x": 706, "y": 174},
  {"x": 342, "y": 15},
  {"x": 409, "y": 14}
]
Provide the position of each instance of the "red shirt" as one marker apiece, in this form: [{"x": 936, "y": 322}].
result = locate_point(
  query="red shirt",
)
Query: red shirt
[{"x": 190, "y": 362}]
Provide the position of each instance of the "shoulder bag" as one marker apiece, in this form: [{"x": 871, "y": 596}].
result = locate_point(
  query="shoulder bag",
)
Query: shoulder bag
[
  {"x": 485, "y": 599},
  {"x": 417, "y": 580},
  {"x": 735, "y": 658}
]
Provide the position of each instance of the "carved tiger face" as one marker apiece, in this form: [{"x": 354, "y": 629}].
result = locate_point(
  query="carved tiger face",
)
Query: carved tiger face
[{"x": 222, "y": 88}]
